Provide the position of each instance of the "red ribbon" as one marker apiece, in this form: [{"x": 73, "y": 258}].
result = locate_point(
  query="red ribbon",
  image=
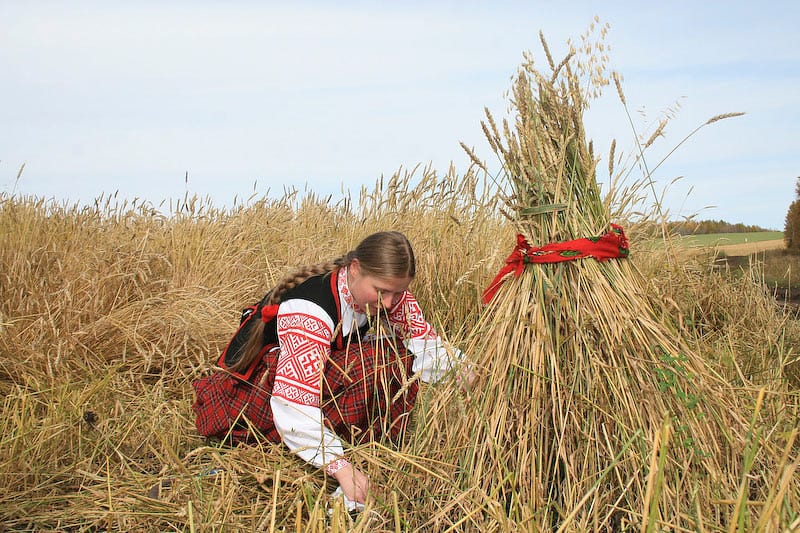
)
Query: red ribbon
[
  {"x": 268, "y": 312},
  {"x": 612, "y": 245}
]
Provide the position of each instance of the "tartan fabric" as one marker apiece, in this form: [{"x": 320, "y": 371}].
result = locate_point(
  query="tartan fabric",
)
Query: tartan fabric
[
  {"x": 366, "y": 395},
  {"x": 367, "y": 391},
  {"x": 225, "y": 405}
]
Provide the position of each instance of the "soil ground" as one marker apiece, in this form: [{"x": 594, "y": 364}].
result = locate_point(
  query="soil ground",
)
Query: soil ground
[{"x": 738, "y": 255}]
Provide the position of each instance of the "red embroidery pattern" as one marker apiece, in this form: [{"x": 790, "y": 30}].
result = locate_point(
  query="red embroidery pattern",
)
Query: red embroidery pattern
[
  {"x": 305, "y": 343},
  {"x": 335, "y": 466},
  {"x": 344, "y": 290},
  {"x": 407, "y": 319}
]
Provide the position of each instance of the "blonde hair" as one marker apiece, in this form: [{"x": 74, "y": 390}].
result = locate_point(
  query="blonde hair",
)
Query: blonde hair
[{"x": 386, "y": 254}]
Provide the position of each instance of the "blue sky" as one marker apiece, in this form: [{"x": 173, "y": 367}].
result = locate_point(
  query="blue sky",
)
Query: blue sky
[{"x": 246, "y": 96}]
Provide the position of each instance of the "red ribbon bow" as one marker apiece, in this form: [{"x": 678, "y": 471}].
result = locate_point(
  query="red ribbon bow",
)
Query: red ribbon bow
[
  {"x": 612, "y": 245},
  {"x": 268, "y": 312}
]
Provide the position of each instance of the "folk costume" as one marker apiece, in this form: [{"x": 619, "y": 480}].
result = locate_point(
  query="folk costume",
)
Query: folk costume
[{"x": 325, "y": 378}]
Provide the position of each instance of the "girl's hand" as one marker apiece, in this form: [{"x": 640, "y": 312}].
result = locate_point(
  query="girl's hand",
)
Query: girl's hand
[
  {"x": 466, "y": 377},
  {"x": 354, "y": 483}
]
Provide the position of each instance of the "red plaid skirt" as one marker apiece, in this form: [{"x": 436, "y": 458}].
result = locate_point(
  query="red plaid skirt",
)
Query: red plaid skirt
[{"x": 367, "y": 394}]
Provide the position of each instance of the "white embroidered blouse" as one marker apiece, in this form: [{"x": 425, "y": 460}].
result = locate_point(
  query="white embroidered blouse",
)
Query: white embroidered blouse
[{"x": 305, "y": 331}]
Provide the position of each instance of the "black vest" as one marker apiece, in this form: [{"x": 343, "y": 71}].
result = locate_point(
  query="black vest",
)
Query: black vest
[{"x": 321, "y": 289}]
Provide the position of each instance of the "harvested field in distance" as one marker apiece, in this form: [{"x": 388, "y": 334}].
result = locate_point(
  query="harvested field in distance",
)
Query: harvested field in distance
[
  {"x": 749, "y": 248},
  {"x": 729, "y": 239}
]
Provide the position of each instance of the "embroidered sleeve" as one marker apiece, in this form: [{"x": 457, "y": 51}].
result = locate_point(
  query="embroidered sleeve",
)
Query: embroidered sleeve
[
  {"x": 305, "y": 340},
  {"x": 304, "y": 335},
  {"x": 433, "y": 358}
]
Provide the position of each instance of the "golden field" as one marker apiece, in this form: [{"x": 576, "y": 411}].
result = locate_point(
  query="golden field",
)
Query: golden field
[
  {"x": 109, "y": 313},
  {"x": 649, "y": 393}
]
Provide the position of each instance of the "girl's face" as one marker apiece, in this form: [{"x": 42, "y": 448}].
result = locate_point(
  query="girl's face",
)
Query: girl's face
[{"x": 371, "y": 293}]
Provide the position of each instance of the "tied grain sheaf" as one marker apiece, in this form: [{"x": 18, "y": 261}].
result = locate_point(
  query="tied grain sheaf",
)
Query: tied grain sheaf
[{"x": 588, "y": 410}]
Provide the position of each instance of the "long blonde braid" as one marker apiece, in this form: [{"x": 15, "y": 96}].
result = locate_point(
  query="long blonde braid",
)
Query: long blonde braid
[
  {"x": 383, "y": 254},
  {"x": 299, "y": 276},
  {"x": 255, "y": 340}
]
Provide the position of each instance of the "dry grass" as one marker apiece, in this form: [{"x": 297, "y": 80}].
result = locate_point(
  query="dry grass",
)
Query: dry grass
[
  {"x": 646, "y": 394},
  {"x": 108, "y": 315},
  {"x": 109, "y": 312},
  {"x": 594, "y": 410}
]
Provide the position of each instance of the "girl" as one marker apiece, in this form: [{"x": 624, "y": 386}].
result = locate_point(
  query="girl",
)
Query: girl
[{"x": 302, "y": 370}]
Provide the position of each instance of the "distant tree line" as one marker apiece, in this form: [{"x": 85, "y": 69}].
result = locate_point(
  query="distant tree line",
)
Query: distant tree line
[
  {"x": 705, "y": 227},
  {"x": 791, "y": 230}
]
